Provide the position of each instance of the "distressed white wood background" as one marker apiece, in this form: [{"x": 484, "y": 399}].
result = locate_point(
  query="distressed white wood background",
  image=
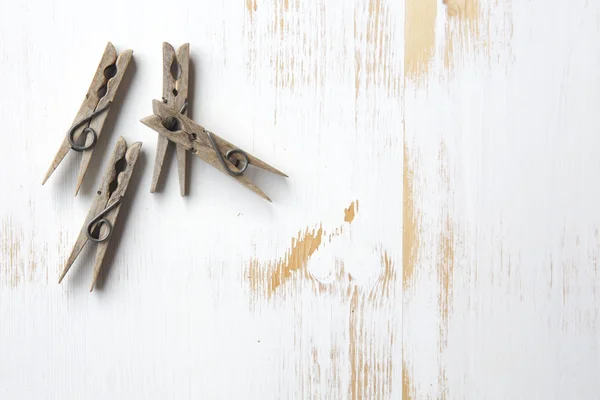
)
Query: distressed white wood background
[{"x": 438, "y": 236}]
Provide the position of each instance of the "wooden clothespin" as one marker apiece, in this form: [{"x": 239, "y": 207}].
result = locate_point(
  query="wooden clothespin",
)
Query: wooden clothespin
[
  {"x": 93, "y": 111},
  {"x": 204, "y": 144},
  {"x": 175, "y": 95},
  {"x": 101, "y": 218}
]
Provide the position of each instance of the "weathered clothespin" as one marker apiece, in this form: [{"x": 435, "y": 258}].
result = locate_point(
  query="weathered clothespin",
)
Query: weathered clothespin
[
  {"x": 222, "y": 155},
  {"x": 93, "y": 111},
  {"x": 175, "y": 95},
  {"x": 101, "y": 218}
]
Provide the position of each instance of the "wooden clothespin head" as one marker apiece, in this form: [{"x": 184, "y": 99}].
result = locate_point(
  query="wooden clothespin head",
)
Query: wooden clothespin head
[
  {"x": 93, "y": 111},
  {"x": 176, "y": 66},
  {"x": 105, "y": 208}
]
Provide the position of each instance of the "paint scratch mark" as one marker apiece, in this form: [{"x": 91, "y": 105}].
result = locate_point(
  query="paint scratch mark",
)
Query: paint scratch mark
[
  {"x": 356, "y": 365},
  {"x": 410, "y": 224},
  {"x": 445, "y": 264},
  {"x": 408, "y": 391},
  {"x": 445, "y": 278},
  {"x": 462, "y": 27},
  {"x": 335, "y": 383},
  {"x": 468, "y": 29},
  {"x": 11, "y": 268},
  {"x": 446, "y": 251},
  {"x": 290, "y": 39},
  {"x": 20, "y": 260},
  {"x": 373, "y": 49},
  {"x": 296, "y": 56},
  {"x": 371, "y": 366},
  {"x": 388, "y": 276}
]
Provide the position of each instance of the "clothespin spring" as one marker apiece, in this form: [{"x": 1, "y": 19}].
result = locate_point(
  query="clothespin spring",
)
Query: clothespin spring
[
  {"x": 86, "y": 131},
  {"x": 98, "y": 220},
  {"x": 228, "y": 156}
]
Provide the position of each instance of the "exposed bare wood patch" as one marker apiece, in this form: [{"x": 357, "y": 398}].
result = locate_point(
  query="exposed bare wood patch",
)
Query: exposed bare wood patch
[
  {"x": 350, "y": 212},
  {"x": 419, "y": 39},
  {"x": 294, "y": 262},
  {"x": 408, "y": 391},
  {"x": 251, "y": 6}
]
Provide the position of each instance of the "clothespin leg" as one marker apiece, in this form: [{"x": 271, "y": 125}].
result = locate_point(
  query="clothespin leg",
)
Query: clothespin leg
[{"x": 103, "y": 246}]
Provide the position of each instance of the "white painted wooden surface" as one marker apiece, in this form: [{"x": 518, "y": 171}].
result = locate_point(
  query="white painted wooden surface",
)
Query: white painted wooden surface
[{"x": 437, "y": 238}]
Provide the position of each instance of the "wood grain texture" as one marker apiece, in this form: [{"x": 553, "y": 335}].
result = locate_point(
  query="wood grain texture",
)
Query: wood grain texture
[
  {"x": 97, "y": 123},
  {"x": 195, "y": 138},
  {"x": 437, "y": 237},
  {"x": 88, "y": 106},
  {"x": 111, "y": 191},
  {"x": 101, "y": 94},
  {"x": 98, "y": 204},
  {"x": 123, "y": 178},
  {"x": 175, "y": 95}
]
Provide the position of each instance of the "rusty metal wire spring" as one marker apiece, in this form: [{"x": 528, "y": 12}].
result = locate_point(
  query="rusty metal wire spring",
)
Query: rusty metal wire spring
[
  {"x": 86, "y": 131},
  {"x": 98, "y": 221}
]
